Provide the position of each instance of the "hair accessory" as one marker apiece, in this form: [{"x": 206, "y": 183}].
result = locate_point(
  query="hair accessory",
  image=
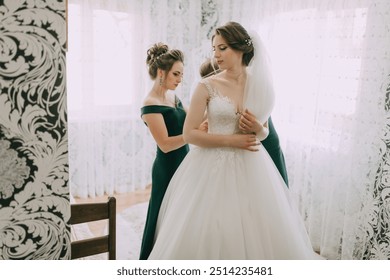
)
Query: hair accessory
[
  {"x": 248, "y": 41},
  {"x": 156, "y": 58}
]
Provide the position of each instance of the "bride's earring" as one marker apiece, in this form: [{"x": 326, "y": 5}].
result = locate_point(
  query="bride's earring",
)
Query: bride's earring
[{"x": 161, "y": 81}]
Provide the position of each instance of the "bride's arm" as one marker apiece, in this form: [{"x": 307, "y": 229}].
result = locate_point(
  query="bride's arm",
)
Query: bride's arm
[{"x": 196, "y": 137}]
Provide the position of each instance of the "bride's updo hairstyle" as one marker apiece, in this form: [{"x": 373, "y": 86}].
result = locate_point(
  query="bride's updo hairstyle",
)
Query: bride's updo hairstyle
[
  {"x": 238, "y": 39},
  {"x": 160, "y": 57}
]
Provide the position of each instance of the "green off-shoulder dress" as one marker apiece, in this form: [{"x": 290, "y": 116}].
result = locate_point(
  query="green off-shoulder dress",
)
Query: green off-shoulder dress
[
  {"x": 164, "y": 166},
  {"x": 272, "y": 145}
]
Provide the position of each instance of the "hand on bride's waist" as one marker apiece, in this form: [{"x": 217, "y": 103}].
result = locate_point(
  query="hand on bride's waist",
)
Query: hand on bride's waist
[{"x": 245, "y": 141}]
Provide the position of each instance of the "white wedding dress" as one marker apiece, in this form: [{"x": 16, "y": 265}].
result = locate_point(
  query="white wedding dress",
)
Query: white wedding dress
[{"x": 226, "y": 203}]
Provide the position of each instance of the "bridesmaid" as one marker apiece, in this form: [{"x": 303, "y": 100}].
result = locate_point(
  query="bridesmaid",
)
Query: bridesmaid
[
  {"x": 271, "y": 143},
  {"x": 164, "y": 115}
]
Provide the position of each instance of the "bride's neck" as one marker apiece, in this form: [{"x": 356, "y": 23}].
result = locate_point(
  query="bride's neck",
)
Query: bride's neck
[{"x": 237, "y": 75}]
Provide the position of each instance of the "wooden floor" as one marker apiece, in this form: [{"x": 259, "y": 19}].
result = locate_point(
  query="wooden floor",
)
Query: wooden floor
[{"x": 123, "y": 201}]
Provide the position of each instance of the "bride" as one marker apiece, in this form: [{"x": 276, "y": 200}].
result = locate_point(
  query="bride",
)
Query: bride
[{"x": 227, "y": 200}]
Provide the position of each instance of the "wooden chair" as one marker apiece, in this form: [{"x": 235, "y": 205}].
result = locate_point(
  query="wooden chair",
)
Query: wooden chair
[{"x": 89, "y": 212}]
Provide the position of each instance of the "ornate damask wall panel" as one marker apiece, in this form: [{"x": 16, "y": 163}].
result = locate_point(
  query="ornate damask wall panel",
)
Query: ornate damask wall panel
[{"x": 34, "y": 193}]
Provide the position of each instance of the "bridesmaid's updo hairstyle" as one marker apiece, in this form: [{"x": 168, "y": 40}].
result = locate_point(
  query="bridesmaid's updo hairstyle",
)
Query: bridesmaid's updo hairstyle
[
  {"x": 208, "y": 68},
  {"x": 238, "y": 39},
  {"x": 160, "y": 57}
]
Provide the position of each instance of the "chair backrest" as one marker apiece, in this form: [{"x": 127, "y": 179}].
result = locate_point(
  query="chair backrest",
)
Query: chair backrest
[{"x": 89, "y": 212}]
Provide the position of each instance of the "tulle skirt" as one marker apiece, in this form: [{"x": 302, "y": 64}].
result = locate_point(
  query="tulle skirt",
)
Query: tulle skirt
[{"x": 225, "y": 203}]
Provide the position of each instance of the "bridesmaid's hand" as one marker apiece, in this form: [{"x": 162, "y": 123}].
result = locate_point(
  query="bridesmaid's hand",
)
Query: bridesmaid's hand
[
  {"x": 204, "y": 126},
  {"x": 248, "y": 123}
]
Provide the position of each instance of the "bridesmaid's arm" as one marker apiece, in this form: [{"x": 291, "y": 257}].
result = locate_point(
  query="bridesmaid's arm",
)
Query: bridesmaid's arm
[
  {"x": 156, "y": 125},
  {"x": 197, "y": 137}
]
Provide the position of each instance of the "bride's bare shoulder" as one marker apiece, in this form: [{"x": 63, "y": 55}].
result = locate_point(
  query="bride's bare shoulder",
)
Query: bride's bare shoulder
[{"x": 214, "y": 80}]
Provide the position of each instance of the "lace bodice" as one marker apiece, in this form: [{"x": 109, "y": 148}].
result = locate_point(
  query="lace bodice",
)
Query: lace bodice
[{"x": 221, "y": 113}]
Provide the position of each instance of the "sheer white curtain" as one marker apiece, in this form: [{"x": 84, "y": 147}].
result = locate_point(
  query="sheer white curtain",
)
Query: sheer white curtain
[
  {"x": 331, "y": 65},
  {"x": 109, "y": 147},
  {"x": 330, "y": 61}
]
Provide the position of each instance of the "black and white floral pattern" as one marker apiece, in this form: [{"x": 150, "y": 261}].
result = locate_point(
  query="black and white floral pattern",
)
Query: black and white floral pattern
[
  {"x": 13, "y": 172},
  {"x": 34, "y": 193}
]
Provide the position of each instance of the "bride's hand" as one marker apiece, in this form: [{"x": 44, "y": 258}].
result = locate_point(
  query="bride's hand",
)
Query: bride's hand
[
  {"x": 245, "y": 141},
  {"x": 248, "y": 123}
]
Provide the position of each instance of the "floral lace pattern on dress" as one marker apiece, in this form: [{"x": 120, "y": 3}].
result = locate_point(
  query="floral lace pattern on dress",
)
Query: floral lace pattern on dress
[
  {"x": 222, "y": 119},
  {"x": 221, "y": 112}
]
